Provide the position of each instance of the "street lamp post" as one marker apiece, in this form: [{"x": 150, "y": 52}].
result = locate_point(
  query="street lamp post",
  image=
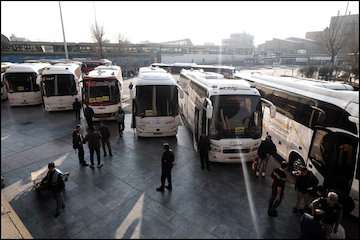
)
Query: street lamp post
[{"x": 62, "y": 25}]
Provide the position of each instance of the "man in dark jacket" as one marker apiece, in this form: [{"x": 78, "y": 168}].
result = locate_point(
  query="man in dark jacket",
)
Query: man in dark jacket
[
  {"x": 55, "y": 182},
  {"x": 266, "y": 149},
  {"x": 311, "y": 226},
  {"x": 204, "y": 147},
  {"x": 93, "y": 139},
  {"x": 305, "y": 184},
  {"x": 167, "y": 163},
  {"x": 278, "y": 186},
  {"x": 105, "y": 138},
  {"x": 77, "y": 140},
  {"x": 77, "y": 108},
  {"x": 89, "y": 114}
]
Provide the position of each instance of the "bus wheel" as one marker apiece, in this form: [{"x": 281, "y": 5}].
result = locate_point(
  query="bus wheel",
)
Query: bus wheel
[{"x": 295, "y": 163}]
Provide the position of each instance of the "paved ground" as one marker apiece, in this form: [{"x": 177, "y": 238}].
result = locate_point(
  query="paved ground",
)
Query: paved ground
[{"x": 119, "y": 200}]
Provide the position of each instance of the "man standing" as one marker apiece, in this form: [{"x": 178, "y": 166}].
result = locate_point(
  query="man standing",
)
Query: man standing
[
  {"x": 54, "y": 180},
  {"x": 266, "y": 149},
  {"x": 305, "y": 184},
  {"x": 93, "y": 139},
  {"x": 167, "y": 163},
  {"x": 105, "y": 138},
  {"x": 278, "y": 186},
  {"x": 89, "y": 114},
  {"x": 204, "y": 147},
  {"x": 120, "y": 118},
  {"x": 77, "y": 108},
  {"x": 77, "y": 139}
]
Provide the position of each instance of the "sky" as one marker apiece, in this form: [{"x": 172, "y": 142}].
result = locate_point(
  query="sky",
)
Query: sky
[{"x": 165, "y": 21}]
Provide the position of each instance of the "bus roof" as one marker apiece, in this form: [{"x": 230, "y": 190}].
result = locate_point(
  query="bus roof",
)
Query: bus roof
[
  {"x": 110, "y": 71},
  {"x": 151, "y": 69},
  {"x": 348, "y": 100},
  {"x": 61, "y": 68},
  {"x": 154, "y": 78},
  {"x": 192, "y": 65},
  {"x": 26, "y": 67},
  {"x": 216, "y": 84}
]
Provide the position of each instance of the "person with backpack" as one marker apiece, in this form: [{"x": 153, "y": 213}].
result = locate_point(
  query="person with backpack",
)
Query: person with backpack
[
  {"x": 55, "y": 182},
  {"x": 105, "y": 138}
]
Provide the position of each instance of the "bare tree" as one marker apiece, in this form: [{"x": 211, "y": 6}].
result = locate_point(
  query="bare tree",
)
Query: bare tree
[
  {"x": 98, "y": 35},
  {"x": 333, "y": 39}
]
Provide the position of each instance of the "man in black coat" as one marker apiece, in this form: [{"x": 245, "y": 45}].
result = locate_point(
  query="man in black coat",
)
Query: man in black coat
[
  {"x": 204, "y": 147},
  {"x": 89, "y": 114},
  {"x": 167, "y": 163},
  {"x": 266, "y": 149},
  {"x": 93, "y": 138},
  {"x": 77, "y": 108},
  {"x": 77, "y": 140},
  {"x": 105, "y": 138},
  {"x": 311, "y": 226},
  {"x": 278, "y": 186}
]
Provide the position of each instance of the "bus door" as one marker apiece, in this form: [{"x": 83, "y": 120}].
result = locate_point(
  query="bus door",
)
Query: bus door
[{"x": 332, "y": 158}]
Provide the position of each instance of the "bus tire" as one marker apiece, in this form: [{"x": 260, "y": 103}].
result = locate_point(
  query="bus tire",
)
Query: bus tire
[{"x": 295, "y": 161}]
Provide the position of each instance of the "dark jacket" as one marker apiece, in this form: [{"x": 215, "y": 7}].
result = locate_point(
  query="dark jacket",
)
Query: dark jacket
[
  {"x": 93, "y": 139},
  {"x": 306, "y": 183},
  {"x": 332, "y": 215},
  {"x": 204, "y": 144},
  {"x": 89, "y": 112},
  {"x": 105, "y": 133},
  {"x": 120, "y": 116},
  {"x": 54, "y": 180},
  {"x": 77, "y": 140},
  {"x": 76, "y": 106},
  {"x": 267, "y": 146},
  {"x": 279, "y": 177},
  {"x": 167, "y": 160}
]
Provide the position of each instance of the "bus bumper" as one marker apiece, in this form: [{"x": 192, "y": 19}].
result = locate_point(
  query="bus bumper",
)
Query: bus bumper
[{"x": 231, "y": 157}]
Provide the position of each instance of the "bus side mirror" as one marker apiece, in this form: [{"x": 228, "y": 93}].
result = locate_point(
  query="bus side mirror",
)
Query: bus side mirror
[
  {"x": 209, "y": 111},
  {"x": 272, "y": 111}
]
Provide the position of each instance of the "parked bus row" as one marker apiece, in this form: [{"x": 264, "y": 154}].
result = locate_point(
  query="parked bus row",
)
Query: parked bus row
[{"x": 315, "y": 126}]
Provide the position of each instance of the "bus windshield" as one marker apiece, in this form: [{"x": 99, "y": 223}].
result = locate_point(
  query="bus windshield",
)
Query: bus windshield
[
  {"x": 22, "y": 82},
  {"x": 59, "y": 85},
  {"x": 155, "y": 101},
  {"x": 102, "y": 91},
  {"x": 236, "y": 116}
]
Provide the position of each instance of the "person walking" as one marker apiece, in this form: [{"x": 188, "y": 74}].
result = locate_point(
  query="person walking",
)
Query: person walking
[
  {"x": 77, "y": 139},
  {"x": 89, "y": 114},
  {"x": 266, "y": 149},
  {"x": 77, "y": 108},
  {"x": 93, "y": 139},
  {"x": 167, "y": 163},
  {"x": 105, "y": 138},
  {"x": 311, "y": 227},
  {"x": 54, "y": 180},
  {"x": 204, "y": 147},
  {"x": 305, "y": 185},
  {"x": 278, "y": 185},
  {"x": 120, "y": 118}
]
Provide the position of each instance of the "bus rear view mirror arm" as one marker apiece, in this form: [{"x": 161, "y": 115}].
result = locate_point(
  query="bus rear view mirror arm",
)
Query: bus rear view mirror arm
[
  {"x": 272, "y": 107},
  {"x": 209, "y": 109}
]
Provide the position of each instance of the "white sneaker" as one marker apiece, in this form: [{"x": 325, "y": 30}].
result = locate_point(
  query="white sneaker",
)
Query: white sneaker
[
  {"x": 257, "y": 174},
  {"x": 263, "y": 174},
  {"x": 100, "y": 165}
]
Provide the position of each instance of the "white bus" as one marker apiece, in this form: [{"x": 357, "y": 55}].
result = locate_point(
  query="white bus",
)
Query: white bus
[
  {"x": 61, "y": 85},
  {"x": 23, "y": 83},
  {"x": 316, "y": 126},
  {"x": 155, "y": 103},
  {"x": 102, "y": 90},
  {"x": 229, "y": 112}
]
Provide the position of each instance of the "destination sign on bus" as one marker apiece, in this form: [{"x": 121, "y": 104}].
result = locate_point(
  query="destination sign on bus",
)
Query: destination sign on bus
[{"x": 99, "y": 99}]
